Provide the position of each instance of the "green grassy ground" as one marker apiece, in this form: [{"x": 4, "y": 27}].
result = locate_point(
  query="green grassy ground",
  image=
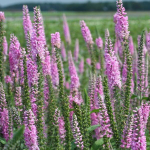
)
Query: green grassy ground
[{"x": 100, "y": 20}]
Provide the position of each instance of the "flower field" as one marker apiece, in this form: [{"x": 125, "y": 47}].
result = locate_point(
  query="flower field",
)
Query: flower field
[{"x": 71, "y": 84}]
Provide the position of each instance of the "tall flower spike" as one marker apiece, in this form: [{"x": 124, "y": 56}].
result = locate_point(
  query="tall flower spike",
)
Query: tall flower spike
[
  {"x": 81, "y": 66},
  {"x": 4, "y": 116},
  {"x": 26, "y": 98},
  {"x": 40, "y": 106},
  {"x": 21, "y": 69},
  {"x": 2, "y": 18},
  {"x": 32, "y": 74},
  {"x": 146, "y": 75},
  {"x": 98, "y": 90},
  {"x": 138, "y": 134},
  {"x": 14, "y": 56},
  {"x": 5, "y": 48},
  {"x": 86, "y": 34},
  {"x": 73, "y": 74},
  {"x": 27, "y": 24},
  {"x": 63, "y": 51},
  {"x": 54, "y": 70},
  {"x": 121, "y": 22},
  {"x": 18, "y": 99},
  {"x": 147, "y": 40},
  {"x": 55, "y": 40},
  {"x": 99, "y": 42},
  {"x": 145, "y": 112},
  {"x": 101, "y": 117},
  {"x": 76, "y": 50},
  {"x": 51, "y": 111},
  {"x": 66, "y": 30},
  {"x": 141, "y": 64},
  {"x": 76, "y": 133},
  {"x": 30, "y": 133},
  {"x": 131, "y": 45},
  {"x": 46, "y": 67},
  {"x": 89, "y": 43},
  {"x": 111, "y": 64},
  {"x": 110, "y": 111},
  {"x": 62, "y": 131},
  {"x": 127, "y": 134},
  {"x": 105, "y": 130},
  {"x": 38, "y": 40}
]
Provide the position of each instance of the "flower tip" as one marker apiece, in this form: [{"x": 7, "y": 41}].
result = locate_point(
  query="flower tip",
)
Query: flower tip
[{"x": 2, "y": 16}]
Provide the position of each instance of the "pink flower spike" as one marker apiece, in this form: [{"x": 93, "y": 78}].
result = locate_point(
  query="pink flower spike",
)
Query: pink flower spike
[
  {"x": 27, "y": 24},
  {"x": 86, "y": 33},
  {"x": 5, "y": 48},
  {"x": 55, "y": 40},
  {"x": 76, "y": 50},
  {"x": 2, "y": 16},
  {"x": 30, "y": 132},
  {"x": 121, "y": 22},
  {"x": 66, "y": 30},
  {"x": 99, "y": 42},
  {"x": 63, "y": 51},
  {"x": 81, "y": 66}
]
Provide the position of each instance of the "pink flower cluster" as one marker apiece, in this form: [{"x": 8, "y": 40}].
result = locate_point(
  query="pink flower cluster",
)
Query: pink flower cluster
[
  {"x": 63, "y": 51},
  {"x": 99, "y": 42},
  {"x": 4, "y": 116},
  {"x": 54, "y": 70},
  {"x": 86, "y": 33},
  {"x": 55, "y": 40},
  {"x": 76, "y": 133},
  {"x": 81, "y": 66},
  {"x": 27, "y": 24},
  {"x": 18, "y": 99},
  {"x": 121, "y": 22},
  {"x": 30, "y": 133},
  {"x": 75, "y": 83},
  {"x": 38, "y": 40},
  {"x": 127, "y": 134},
  {"x": 14, "y": 56},
  {"x": 138, "y": 134},
  {"x": 2, "y": 16},
  {"x": 111, "y": 65},
  {"x": 66, "y": 30},
  {"x": 5, "y": 48},
  {"x": 62, "y": 131},
  {"x": 76, "y": 50}
]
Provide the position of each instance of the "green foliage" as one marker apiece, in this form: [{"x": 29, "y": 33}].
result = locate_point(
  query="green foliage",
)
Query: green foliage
[
  {"x": 26, "y": 96},
  {"x": 16, "y": 137},
  {"x": 40, "y": 107},
  {"x": 98, "y": 145},
  {"x": 1, "y": 52},
  {"x": 110, "y": 112},
  {"x": 92, "y": 128}
]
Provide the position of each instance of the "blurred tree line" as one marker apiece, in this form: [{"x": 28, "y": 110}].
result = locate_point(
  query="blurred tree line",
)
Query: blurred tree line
[{"x": 89, "y": 6}]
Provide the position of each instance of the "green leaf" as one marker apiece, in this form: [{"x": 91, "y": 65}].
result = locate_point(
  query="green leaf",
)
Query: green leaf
[
  {"x": 73, "y": 145},
  {"x": 133, "y": 96},
  {"x": 2, "y": 140},
  {"x": 148, "y": 143},
  {"x": 91, "y": 128},
  {"x": 85, "y": 97},
  {"x": 98, "y": 144},
  {"x": 95, "y": 111},
  {"x": 71, "y": 109},
  {"x": 146, "y": 98},
  {"x": 17, "y": 136}
]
